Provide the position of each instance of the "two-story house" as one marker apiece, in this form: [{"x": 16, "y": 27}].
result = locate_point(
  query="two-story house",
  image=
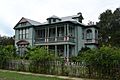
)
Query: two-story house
[{"x": 65, "y": 35}]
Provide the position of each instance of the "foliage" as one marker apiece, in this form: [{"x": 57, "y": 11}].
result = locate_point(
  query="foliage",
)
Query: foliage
[
  {"x": 109, "y": 28},
  {"x": 6, "y": 41},
  {"x": 103, "y": 61},
  {"x": 6, "y": 53},
  {"x": 39, "y": 56},
  {"x": 78, "y": 57}
]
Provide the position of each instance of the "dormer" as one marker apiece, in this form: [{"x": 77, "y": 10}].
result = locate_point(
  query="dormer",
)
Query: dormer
[
  {"x": 78, "y": 17},
  {"x": 53, "y": 19}
]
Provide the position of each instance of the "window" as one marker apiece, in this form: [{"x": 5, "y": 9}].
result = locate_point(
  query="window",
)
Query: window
[
  {"x": 20, "y": 34},
  {"x": 54, "y": 20},
  {"x": 89, "y": 34},
  {"x": 27, "y": 31},
  {"x": 23, "y": 33},
  {"x": 49, "y": 21}
]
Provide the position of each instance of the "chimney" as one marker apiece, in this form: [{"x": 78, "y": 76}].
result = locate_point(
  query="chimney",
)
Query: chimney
[{"x": 80, "y": 17}]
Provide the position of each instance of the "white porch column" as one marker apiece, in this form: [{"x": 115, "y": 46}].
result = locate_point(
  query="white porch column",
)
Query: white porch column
[
  {"x": 55, "y": 33},
  {"x": 67, "y": 32},
  {"x": 47, "y": 36},
  {"x": 56, "y": 53},
  {"x": 67, "y": 52}
]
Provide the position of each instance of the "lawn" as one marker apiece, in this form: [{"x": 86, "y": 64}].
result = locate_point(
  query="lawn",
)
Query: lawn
[{"x": 17, "y": 76}]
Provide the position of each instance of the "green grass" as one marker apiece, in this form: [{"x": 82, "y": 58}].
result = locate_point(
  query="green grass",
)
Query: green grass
[{"x": 6, "y": 75}]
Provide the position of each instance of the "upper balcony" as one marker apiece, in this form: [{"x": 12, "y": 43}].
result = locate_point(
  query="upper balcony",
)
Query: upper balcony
[
  {"x": 54, "y": 39},
  {"x": 55, "y": 34}
]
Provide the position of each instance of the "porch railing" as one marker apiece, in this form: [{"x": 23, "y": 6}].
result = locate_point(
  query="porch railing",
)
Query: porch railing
[
  {"x": 91, "y": 41},
  {"x": 39, "y": 40},
  {"x": 55, "y": 39}
]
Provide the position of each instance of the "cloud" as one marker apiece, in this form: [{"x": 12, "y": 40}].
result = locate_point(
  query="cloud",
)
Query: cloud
[
  {"x": 11, "y": 11},
  {"x": 5, "y": 29}
]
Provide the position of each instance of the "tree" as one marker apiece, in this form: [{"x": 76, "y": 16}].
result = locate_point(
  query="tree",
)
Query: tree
[
  {"x": 109, "y": 27},
  {"x": 6, "y": 41},
  {"x": 104, "y": 25}
]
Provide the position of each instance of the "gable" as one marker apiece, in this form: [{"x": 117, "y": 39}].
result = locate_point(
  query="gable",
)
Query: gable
[
  {"x": 22, "y": 20},
  {"x": 22, "y": 23}
]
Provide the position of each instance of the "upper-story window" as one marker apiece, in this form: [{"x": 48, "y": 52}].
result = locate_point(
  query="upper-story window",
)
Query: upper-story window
[
  {"x": 23, "y": 33},
  {"x": 89, "y": 34},
  {"x": 54, "y": 20},
  {"x": 49, "y": 21}
]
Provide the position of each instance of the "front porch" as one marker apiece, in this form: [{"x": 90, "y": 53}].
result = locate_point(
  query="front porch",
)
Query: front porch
[{"x": 62, "y": 51}]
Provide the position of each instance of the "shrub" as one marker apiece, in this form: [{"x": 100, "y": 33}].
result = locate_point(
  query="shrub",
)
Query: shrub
[
  {"x": 104, "y": 61},
  {"x": 39, "y": 57}
]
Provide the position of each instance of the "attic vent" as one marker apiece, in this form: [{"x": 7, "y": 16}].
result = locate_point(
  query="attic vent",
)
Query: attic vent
[{"x": 23, "y": 23}]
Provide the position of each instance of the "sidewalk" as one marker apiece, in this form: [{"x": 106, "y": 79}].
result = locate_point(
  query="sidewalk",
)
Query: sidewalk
[{"x": 62, "y": 77}]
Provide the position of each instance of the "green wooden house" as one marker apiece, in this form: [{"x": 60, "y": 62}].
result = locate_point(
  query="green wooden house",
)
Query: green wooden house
[{"x": 65, "y": 35}]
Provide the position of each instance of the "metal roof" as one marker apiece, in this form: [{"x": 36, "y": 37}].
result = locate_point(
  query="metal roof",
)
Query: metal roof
[
  {"x": 63, "y": 19},
  {"x": 53, "y": 16},
  {"x": 69, "y": 17},
  {"x": 33, "y": 22}
]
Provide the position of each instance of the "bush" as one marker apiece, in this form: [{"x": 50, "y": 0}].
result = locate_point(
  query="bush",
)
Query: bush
[
  {"x": 104, "y": 61},
  {"x": 6, "y": 53},
  {"x": 39, "y": 57}
]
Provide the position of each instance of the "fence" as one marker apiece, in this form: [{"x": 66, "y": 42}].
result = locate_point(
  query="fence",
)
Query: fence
[{"x": 76, "y": 69}]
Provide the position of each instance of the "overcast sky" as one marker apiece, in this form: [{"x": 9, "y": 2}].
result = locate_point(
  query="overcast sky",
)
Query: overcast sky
[{"x": 11, "y": 11}]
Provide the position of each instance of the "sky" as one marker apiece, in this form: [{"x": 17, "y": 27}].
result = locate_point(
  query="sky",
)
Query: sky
[{"x": 11, "y": 11}]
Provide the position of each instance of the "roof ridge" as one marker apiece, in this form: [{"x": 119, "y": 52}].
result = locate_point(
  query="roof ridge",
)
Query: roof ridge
[
  {"x": 33, "y": 22},
  {"x": 30, "y": 19}
]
